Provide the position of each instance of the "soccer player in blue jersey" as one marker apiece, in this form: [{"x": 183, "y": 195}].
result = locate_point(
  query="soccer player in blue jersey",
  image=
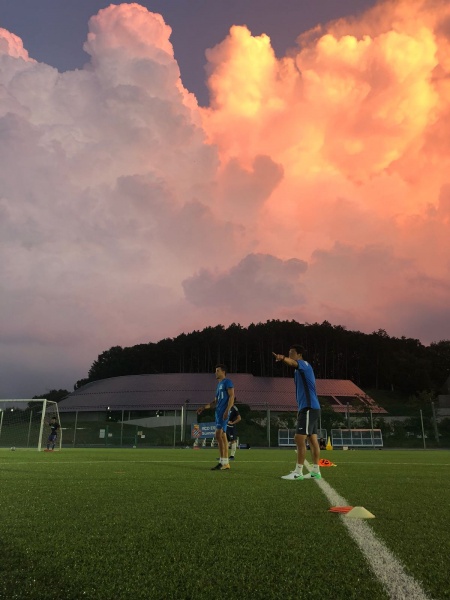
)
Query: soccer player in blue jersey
[
  {"x": 223, "y": 401},
  {"x": 308, "y": 412}
]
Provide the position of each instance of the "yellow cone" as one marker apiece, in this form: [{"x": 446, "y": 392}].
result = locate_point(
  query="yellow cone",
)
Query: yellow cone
[
  {"x": 359, "y": 512},
  {"x": 329, "y": 446}
]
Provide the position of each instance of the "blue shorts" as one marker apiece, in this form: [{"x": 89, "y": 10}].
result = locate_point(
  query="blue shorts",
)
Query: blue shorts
[
  {"x": 221, "y": 423},
  {"x": 52, "y": 437}
]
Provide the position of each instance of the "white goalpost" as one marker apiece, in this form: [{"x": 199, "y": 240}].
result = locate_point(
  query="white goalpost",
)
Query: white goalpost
[{"x": 24, "y": 423}]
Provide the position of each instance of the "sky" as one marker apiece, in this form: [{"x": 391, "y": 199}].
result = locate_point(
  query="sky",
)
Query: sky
[{"x": 166, "y": 166}]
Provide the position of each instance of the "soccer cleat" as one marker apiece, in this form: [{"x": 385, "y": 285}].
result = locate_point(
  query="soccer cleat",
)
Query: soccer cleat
[
  {"x": 294, "y": 475},
  {"x": 224, "y": 467},
  {"x": 315, "y": 475},
  {"x": 231, "y": 458},
  {"x": 216, "y": 468}
]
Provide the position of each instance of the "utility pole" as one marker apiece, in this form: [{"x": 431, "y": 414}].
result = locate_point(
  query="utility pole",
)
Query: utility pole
[
  {"x": 423, "y": 430},
  {"x": 435, "y": 427}
]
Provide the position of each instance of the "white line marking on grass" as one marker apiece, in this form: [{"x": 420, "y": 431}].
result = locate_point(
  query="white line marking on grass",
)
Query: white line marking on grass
[
  {"x": 370, "y": 462},
  {"x": 101, "y": 462},
  {"x": 174, "y": 460},
  {"x": 398, "y": 584}
]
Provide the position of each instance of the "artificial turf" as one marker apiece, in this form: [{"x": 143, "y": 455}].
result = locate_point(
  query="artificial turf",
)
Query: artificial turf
[{"x": 159, "y": 524}]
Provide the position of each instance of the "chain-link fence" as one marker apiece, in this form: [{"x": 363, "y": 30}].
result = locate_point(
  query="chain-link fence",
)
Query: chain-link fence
[
  {"x": 257, "y": 428},
  {"x": 141, "y": 429}
]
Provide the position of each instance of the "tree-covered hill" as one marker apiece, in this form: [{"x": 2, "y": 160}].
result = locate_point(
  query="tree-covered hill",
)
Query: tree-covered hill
[{"x": 374, "y": 360}]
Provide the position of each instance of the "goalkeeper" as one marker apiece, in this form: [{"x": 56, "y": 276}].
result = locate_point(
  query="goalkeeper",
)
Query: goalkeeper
[{"x": 54, "y": 426}]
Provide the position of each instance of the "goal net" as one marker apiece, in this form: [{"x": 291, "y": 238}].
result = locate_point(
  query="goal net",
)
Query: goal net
[{"x": 26, "y": 424}]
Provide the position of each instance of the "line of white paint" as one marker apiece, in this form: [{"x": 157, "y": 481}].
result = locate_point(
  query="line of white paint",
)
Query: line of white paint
[
  {"x": 374, "y": 462},
  {"x": 133, "y": 461},
  {"x": 387, "y": 568}
]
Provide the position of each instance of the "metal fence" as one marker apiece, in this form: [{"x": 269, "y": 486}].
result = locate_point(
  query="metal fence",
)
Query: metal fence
[
  {"x": 142, "y": 429},
  {"x": 258, "y": 428}
]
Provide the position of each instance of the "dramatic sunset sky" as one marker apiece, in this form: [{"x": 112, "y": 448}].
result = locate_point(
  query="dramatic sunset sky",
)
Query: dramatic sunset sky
[{"x": 166, "y": 166}]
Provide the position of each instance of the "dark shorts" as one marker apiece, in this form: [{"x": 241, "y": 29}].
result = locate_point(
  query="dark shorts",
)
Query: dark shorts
[
  {"x": 52, "y": 437},
  {"x": 231, "y": 433},
  {"x": 307, "y": 421}
]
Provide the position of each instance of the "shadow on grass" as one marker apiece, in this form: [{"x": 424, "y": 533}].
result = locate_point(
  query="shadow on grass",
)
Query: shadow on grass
[{"x": 23, "y": 578}]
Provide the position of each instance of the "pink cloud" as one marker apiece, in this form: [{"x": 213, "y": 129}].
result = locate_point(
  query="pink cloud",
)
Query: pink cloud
[
  {"x": 313, "y": 187},
  {"x": 257, "y": 282},
  {"x": 11, "y": 45}
]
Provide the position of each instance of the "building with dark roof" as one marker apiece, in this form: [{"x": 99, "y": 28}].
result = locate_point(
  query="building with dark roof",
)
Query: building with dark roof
[{"x": 171, "y": 391}]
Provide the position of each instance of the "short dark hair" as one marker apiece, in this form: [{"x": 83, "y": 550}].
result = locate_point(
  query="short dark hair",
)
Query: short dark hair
[
  {"x": 298, "y": 348},
  {"x": 222, "y": 366}
]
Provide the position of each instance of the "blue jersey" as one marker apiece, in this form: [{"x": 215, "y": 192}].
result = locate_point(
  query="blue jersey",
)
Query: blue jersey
[
  {"x": 222, "y": 395},
  {"x": 305, "y": 386}
]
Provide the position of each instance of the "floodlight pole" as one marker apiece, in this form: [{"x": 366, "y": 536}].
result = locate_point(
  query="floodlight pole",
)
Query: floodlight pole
[
  {"x": 174, "y": 428},
  {"x": 436, "y": 432},
  {"x": 423, "y": 431},
  {"x": 371, "y": 425},
  {"x": 184, "y": 411},
  {"x": 75, "y": 428},
  {"x": 181, "y": 422},
  {"x": 185, "y": 418}
]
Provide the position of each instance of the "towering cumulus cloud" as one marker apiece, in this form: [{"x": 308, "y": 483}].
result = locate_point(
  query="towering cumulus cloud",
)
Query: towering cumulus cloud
[
  {"x": 356, "y": 118},
  {"x": 315, "y": 186}
]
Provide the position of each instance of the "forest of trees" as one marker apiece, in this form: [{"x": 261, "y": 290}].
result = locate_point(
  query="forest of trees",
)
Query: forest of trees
[{"x": 375, "y": 360}]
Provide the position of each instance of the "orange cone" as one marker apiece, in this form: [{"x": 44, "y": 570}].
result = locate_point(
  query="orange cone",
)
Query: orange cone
[{"x": 324, "y": 462}]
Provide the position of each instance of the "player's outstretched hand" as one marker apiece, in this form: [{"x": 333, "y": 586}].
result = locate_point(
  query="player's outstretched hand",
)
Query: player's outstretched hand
[
  {"x": 278, "y": 357},
  {"x": 200, "y": 410}
]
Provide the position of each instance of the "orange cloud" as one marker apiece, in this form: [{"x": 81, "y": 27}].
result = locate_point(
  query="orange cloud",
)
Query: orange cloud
[
  {"x": 315, "y": 186},
  {"x": 346, "y": 103},
  {"x": 356, "y": 120}
]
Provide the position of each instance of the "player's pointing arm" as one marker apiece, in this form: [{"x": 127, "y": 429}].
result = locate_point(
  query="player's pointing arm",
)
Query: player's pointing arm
[{"x": 287, "y": 361}]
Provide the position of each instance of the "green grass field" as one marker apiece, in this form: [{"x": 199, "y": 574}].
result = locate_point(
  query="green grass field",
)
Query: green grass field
[{"x": 158, "y": 524}]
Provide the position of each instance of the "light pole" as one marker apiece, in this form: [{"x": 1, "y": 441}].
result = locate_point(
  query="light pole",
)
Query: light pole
[
  {"x": 436, "y": 432},
  {"x": 423, "y": 431}
]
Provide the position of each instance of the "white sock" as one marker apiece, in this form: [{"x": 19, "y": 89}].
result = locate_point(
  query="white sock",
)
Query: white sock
[
  {"x": 299, "y": 469},
  {"x": 233, "y": 449},
  {"x": 225, "y": 461},
  {"x": 316, "y": 469}
]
